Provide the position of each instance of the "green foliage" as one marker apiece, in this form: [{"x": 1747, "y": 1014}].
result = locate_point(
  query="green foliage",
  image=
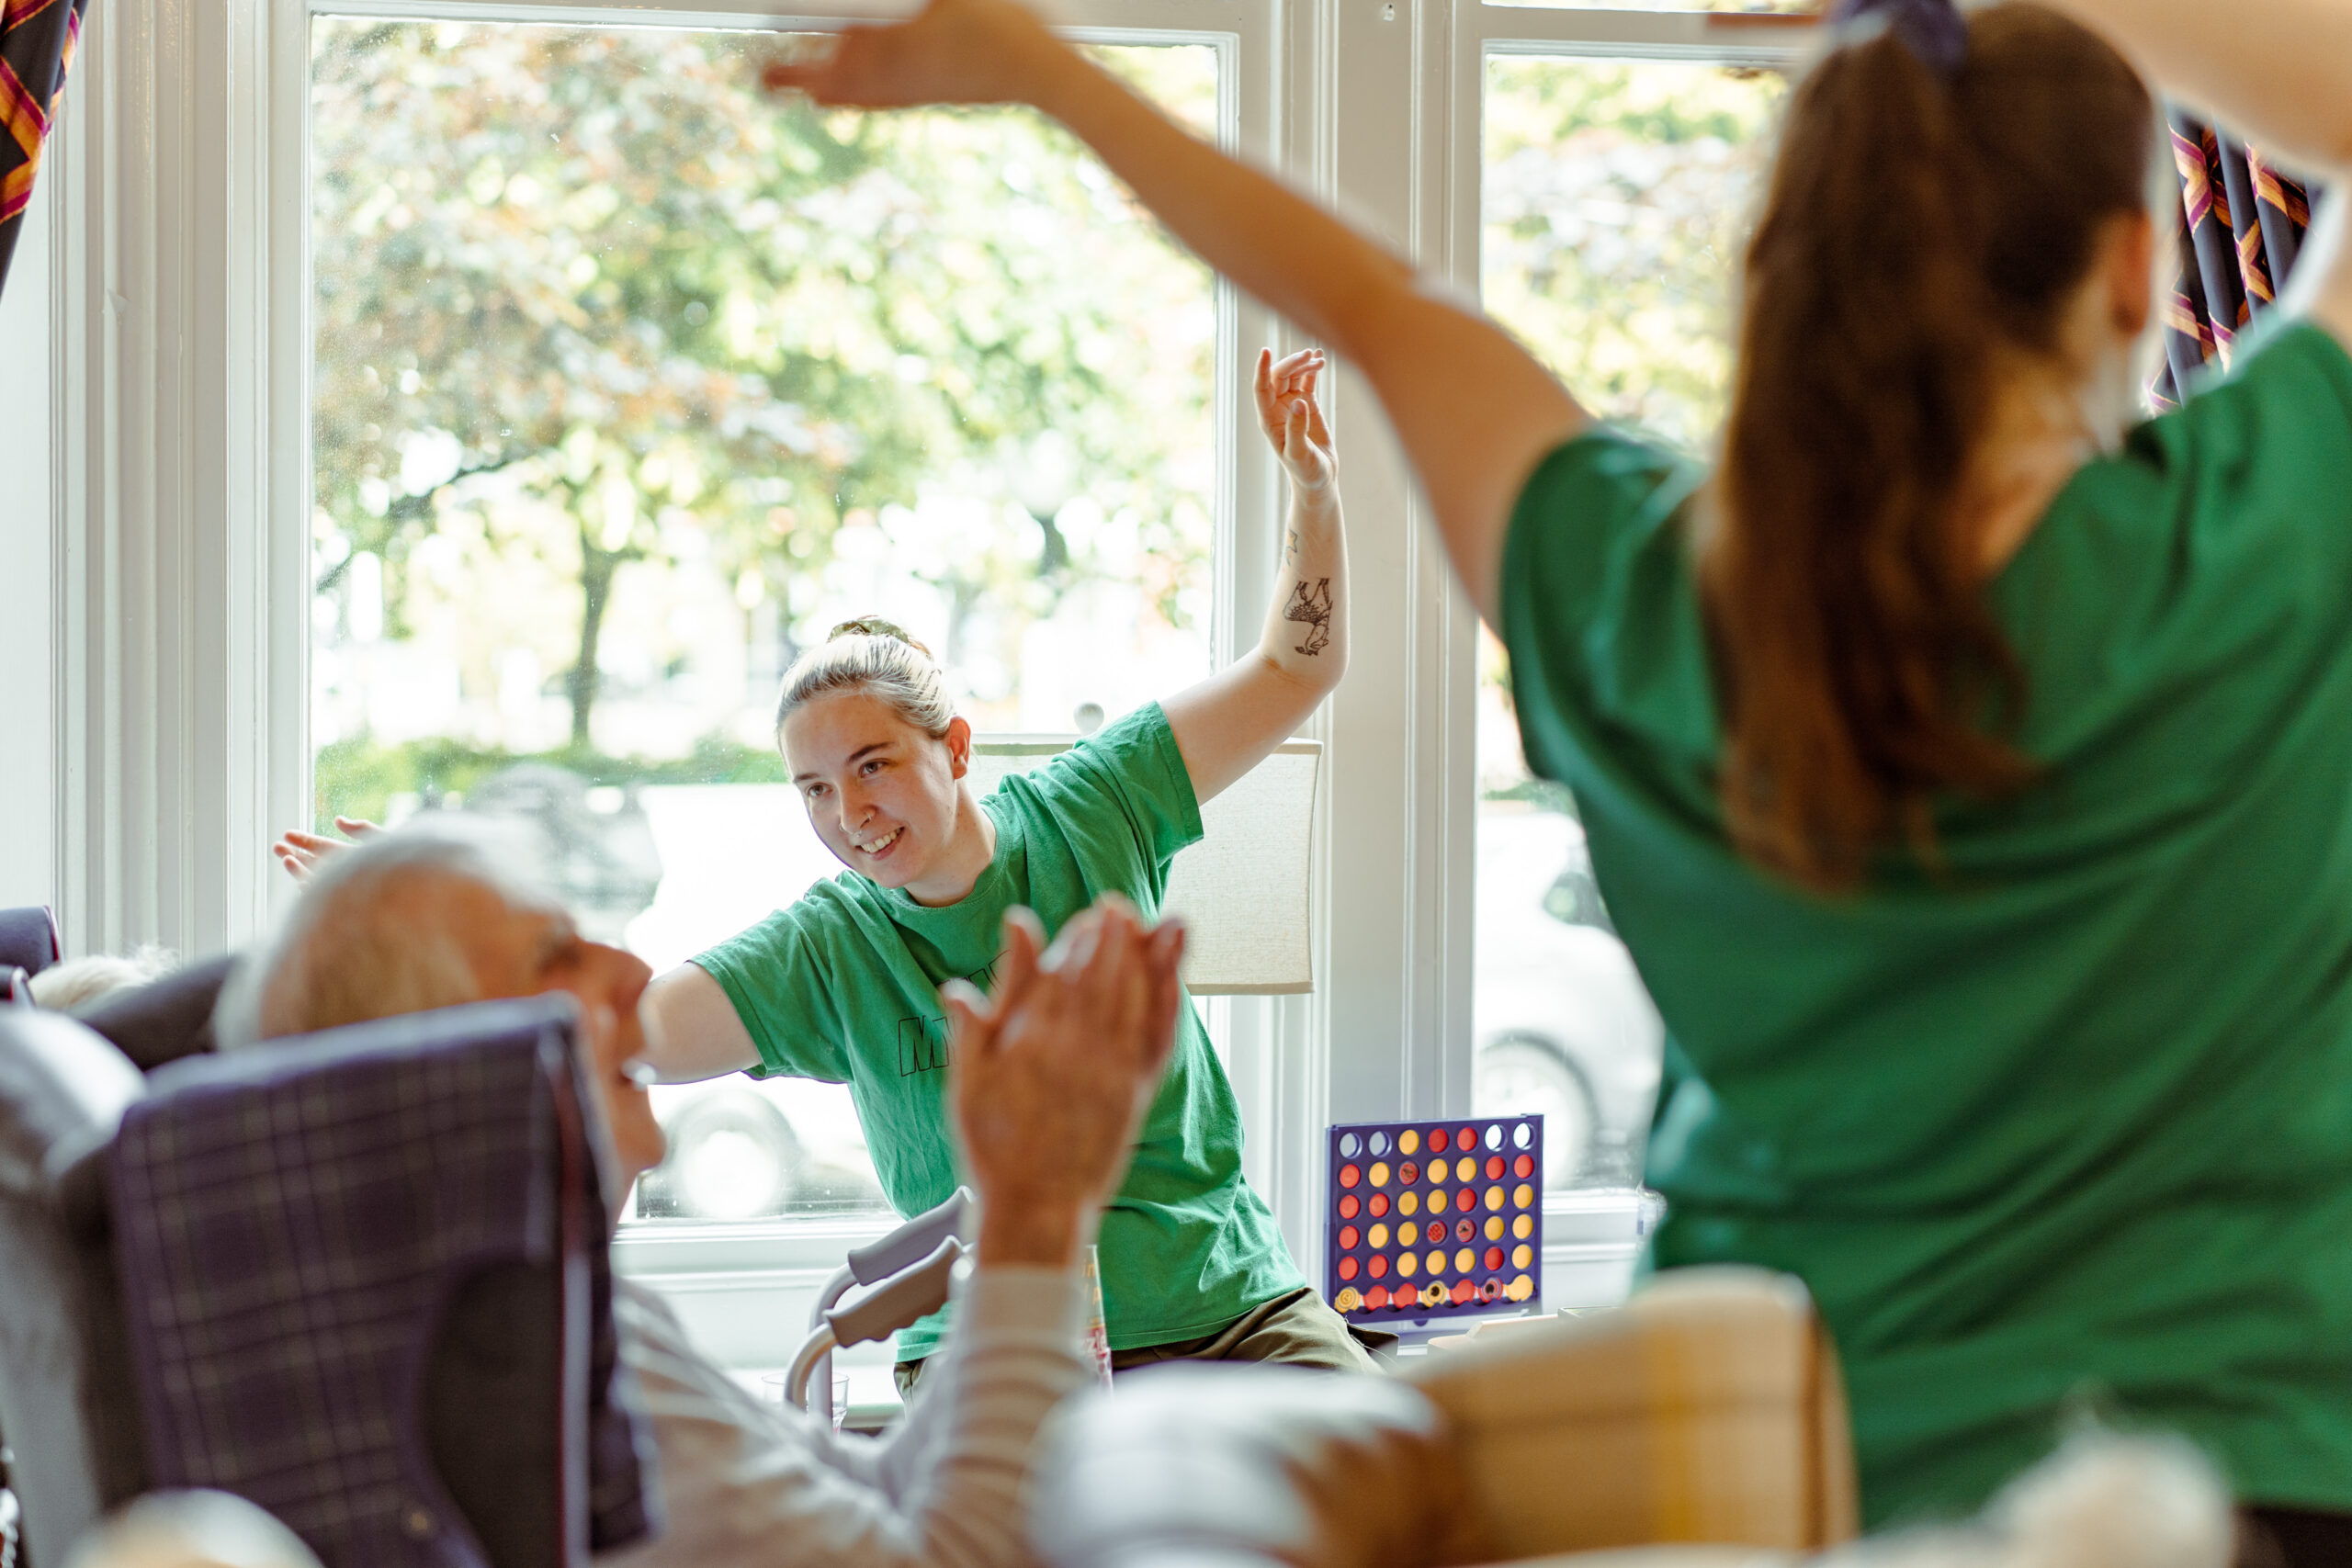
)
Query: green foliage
[
  {"x": 586, "y": 297},
  {"x": 1616, "y": 197},
  {"x": 359, "y": 778}
]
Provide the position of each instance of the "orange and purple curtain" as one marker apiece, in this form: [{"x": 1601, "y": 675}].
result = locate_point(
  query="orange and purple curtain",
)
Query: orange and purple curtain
[
  {"x": 2242, "y": 223},
  {"x": 37, "y": 39}
]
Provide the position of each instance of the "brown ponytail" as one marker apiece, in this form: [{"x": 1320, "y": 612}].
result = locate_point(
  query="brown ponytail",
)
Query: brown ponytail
[{"x": 1920, "y": 231}]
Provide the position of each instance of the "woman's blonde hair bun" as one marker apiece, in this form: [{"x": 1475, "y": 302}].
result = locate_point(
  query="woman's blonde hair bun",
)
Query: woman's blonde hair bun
[
  {"x": 875, "y": 626},
  {"x": 874, "y": 658}
]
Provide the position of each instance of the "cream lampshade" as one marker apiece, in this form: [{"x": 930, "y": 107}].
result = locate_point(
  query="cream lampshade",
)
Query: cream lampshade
[{"x": 1243, "y": 888}]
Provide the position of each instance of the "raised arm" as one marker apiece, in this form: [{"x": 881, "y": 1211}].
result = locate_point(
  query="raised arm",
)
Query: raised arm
[
  {"x": 1227, "y": 724},
  {"x": 1474, "y": 410},
  {"x": 2277, "y": 72}
]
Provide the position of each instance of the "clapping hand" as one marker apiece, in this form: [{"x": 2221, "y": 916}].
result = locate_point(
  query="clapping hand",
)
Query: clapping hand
[
  {"x": 1292, "y": 418},
  {"x": 1053, "y": 1072}
]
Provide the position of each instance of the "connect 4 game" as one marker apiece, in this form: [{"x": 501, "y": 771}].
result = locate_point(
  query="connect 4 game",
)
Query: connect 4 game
[{"x": 1436, "y": 1220}]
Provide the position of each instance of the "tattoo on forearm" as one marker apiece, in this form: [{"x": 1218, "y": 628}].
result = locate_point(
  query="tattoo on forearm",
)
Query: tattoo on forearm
[
  {"x": 1312, "y": 606},
  {"x": 1290, "y": 549}
]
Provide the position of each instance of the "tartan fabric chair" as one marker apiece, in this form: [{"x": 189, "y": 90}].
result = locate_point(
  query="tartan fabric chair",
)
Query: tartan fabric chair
[{"x": 330, "y": 1309}]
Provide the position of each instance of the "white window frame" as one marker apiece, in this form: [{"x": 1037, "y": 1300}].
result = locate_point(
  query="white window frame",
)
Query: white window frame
[
  {"x": 178, "y": 492},
  {"x": 735, "y": 1282},
  {"x": 1591, "y": 1236}
]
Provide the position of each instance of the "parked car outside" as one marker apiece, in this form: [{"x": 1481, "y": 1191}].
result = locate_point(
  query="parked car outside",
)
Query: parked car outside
[
  {"x": 745, "y": 1149},
  {"x": 1561, "y": 1021}
]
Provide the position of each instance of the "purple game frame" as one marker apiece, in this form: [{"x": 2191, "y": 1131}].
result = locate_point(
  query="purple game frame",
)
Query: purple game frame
[{"x": 1500, "y": 1230}]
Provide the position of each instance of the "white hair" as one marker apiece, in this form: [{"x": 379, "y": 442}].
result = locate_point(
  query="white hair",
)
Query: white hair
[
  {"x": 2101, "y": 1501},
  {"x": 79, "y": 981},
  {"x": 349, "y": 950}
]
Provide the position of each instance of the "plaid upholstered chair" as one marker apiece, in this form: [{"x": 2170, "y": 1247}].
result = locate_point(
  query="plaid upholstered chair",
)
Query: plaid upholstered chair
[
  {"x": 224, "y": 1276},
  {"x": 1702, "y": 1424}
]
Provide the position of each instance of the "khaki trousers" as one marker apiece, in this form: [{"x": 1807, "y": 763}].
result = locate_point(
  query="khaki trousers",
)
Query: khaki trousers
[{"x": 1299, "y": 1329}]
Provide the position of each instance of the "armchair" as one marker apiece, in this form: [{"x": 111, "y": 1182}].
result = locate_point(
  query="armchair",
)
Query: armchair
[
  {"x": 306, "y": 1323},
  {"x": 1706, "y": 1415},
  {"x": 28, "y": 939}
]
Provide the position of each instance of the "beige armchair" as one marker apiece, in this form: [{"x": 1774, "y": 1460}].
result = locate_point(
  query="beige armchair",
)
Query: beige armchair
[{"x": 1705, "y": 1415}]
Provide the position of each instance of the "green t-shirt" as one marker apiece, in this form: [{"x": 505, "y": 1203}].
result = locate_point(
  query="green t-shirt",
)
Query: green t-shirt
[
  {"x": 843, "y": 985},
  {"x": 2071, "y": 1128}
]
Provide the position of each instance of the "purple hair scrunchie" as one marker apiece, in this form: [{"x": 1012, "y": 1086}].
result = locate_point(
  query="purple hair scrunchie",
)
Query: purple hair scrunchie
[{"x": 1933, "y": 29}]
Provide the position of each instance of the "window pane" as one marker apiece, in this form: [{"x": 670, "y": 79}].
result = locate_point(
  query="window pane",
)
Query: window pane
[
  {"x": 630, "y": 382},
  {"x": 1613, "y": 197}
]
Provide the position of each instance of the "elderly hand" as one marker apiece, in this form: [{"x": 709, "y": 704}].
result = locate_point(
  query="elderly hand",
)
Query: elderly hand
[{"x": 1053, "y": 1072}]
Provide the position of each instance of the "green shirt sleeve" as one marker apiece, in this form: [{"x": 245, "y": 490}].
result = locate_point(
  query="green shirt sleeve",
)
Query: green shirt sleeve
[
  {"x": 1129, "y": 771},
  {"x": 775, "y": 974},
  {"x": 2234, "y": 499},
  {"x": 2268, "y": 445},
  {"x": 1600, "y": 611}
]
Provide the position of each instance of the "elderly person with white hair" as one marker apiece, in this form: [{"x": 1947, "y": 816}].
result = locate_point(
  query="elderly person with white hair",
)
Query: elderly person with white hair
[{"x": 1051, "y": 1073}]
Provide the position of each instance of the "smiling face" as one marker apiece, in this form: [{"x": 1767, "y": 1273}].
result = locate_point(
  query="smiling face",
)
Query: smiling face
[{"x": 880, "y": 793}]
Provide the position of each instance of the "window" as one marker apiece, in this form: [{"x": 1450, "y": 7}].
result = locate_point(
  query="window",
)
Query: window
[
  {"x": 630, "y": 383},
  {"x": 1613, "y": 194},
  {"x": 301, "y": 568}
]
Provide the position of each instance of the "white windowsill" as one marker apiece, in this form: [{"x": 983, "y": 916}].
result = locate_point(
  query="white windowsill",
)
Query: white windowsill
[{"x": 745, "y": 1290}]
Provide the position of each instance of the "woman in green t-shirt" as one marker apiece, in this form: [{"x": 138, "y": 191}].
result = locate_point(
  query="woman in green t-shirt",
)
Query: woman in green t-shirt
[
  {"x": 843, "y": 984},
  {"x": 1965, "y": 765}
]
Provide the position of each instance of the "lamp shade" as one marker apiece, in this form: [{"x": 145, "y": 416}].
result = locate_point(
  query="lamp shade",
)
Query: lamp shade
[{"x": 1243, "y": 888}]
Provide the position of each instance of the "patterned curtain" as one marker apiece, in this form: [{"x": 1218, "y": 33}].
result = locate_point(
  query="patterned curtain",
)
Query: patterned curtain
[
  {"x": 2240, "y": 225},
  {"x": 37, "y": 39}
]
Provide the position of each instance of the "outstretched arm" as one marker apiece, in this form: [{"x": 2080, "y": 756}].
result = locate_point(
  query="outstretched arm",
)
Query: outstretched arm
[
  {"x": 693, "y": 1031},
  {"x": 2277, "y": 71},
  {"x": 1474, "y": 410},
  {"x": 2280, "y": 72},
  {"x": 1227, "y": 724}
]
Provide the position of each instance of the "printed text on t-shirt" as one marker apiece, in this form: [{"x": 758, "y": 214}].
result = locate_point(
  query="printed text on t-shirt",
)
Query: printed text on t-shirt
[{"x": 922, "y": 1041}]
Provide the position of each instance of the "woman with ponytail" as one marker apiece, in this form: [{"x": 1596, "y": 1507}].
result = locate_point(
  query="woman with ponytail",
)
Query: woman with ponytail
[{"x": 1966, "y": 764}]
